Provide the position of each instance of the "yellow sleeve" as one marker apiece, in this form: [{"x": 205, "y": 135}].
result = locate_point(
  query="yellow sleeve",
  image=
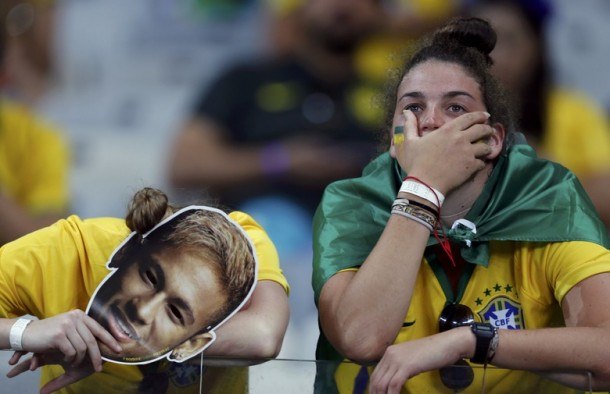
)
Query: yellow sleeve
[
  {"x": 34, "y": 161},
  {"x": 578, "y": 134},
  {"x": 267, "y": 256},
  {"x": 568, "y": 263},
  {"x": 57, "y": 268}
]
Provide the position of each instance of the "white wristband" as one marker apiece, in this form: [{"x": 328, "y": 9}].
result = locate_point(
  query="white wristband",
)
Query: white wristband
[
  {"x": 420, "y": 190},
  {"x": 16, "y": 333}
]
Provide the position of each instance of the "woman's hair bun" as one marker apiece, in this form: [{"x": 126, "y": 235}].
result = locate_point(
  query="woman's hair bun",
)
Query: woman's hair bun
[
  {"x": 470, "y": 32},
  {"x": 146, "y": 209}
]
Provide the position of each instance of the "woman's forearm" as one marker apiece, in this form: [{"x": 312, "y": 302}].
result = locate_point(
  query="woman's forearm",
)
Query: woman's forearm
[
  {"x": 361, "y": 314},
  {"x": 256, "y": 332},
  {"x": 564, "y": 354}
]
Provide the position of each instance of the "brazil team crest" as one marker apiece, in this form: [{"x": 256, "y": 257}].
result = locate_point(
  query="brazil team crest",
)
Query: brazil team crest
[{"x": 502, "y": 312}]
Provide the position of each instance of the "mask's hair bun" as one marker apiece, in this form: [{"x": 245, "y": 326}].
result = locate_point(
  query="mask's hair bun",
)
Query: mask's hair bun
[{"x": 470, "y": 32}]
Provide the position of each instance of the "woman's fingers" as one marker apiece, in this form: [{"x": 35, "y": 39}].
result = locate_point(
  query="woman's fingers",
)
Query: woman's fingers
[
  {"x": 102, "y": 335},
  {"x": 72, "y": 375},
  {"x": 410, "y": 127},
  {"x": 74, "y": 334},
  {"x": 468, "y": 120},
  {"x": 19, "y": 368},
  {"x": 16, "y": 357}
]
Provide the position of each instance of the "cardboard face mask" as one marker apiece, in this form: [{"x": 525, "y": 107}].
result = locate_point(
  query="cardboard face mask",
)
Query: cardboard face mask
[{"x": 171, "y": 288}]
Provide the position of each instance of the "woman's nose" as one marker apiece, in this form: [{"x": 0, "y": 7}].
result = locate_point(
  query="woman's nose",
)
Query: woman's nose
[{"x": 429, "y": 120}]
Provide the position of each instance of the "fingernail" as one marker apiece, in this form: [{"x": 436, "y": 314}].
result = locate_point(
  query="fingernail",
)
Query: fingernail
[
  {"x": 399, "y": 129},
  {"x": 404, "y": 112},
  {"x": 487, "y": 114}
]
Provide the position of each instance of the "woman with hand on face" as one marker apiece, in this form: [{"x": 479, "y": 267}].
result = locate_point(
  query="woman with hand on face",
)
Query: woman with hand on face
[
  {"x": 460, "y": 246},
  {"x": 177, "y": 277}
]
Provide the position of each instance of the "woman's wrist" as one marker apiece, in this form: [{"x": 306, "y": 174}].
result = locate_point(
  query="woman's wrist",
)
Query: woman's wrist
[
  {"x": 16, "y": 333},
  {"x": 417, "y": 187},
  {"x": 467, "y": 341},
  {"x": 415, "y": 198}
]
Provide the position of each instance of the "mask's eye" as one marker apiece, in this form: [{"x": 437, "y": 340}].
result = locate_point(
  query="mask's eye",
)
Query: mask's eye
[
  {"x": 149, "y": 277},
  {"x": 176, "y": 314}
]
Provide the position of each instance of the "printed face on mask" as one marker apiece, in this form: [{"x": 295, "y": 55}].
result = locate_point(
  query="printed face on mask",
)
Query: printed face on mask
[
  {"x": 168, "y": 290},
  {"x": 158, "y": 301}
]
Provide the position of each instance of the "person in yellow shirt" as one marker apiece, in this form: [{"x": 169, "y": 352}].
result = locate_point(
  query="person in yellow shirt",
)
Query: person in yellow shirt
[
  {"x": 122, "y": 320},
  {"x": 34, "y": 172},
  {"x": 34, "y": 155},
  {"x": 459, "y": 247}
]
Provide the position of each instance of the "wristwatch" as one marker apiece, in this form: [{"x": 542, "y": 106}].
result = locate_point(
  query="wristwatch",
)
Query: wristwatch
[{"x": 486, "y": 335}]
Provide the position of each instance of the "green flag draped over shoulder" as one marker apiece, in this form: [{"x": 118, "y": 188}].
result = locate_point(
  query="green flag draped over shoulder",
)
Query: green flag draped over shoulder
[{"x": 525, "y": 199}]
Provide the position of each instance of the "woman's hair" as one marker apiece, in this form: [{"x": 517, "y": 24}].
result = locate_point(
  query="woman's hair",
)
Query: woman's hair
[
  {"x": 217, "y": 237},
  {"x": 468, "y": 43}
]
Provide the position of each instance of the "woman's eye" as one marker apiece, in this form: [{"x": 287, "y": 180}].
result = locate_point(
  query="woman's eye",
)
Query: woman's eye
[
  {"x": 456, "y": 108},
  {"x": 413, "y": 108}
]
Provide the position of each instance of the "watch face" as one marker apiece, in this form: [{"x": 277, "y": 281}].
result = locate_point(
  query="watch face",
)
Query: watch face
[{"x": 483, "y": 329}]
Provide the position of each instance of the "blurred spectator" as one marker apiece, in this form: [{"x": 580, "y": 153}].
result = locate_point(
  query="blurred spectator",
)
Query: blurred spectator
[
  {"x": 563, "y": 125},
  {"x": 286, "y": 126},
  {"x": 406, "y": 22},
  {"x": 33, "y": 155},
  {"x": 28, "y": 64}
]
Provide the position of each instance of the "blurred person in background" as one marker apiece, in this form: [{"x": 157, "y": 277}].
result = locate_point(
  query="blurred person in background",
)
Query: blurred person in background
[
  {"x": 278, "y": 130},
  {"x": 29, "y": 62},
  {"x": 405, "y": 23},
  {"x": 562, "y": 125},
  {"x": 34, "y": 156}
]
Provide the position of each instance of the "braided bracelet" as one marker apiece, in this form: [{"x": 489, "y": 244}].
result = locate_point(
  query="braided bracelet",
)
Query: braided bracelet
[
  {"x": 417, "y": 214},
  {"x": 404, "y": 201}
]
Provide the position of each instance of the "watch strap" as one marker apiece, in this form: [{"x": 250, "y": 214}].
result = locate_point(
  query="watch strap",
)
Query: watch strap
[{"x": 484, "y": 333}]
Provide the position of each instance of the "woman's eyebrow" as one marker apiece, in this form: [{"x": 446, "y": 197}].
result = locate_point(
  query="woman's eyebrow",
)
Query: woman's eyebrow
[
  {"x": 412, "y": 95},
  {"x": 456, "y": 93}
]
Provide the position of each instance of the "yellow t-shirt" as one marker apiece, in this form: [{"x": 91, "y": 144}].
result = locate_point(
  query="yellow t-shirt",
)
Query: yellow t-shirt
[
  {"x": 578, "y": 134},
  {"x": 34, "y": 161},
  {"x": 57, "y": 269},
  {"x": 522, "y": 288}
]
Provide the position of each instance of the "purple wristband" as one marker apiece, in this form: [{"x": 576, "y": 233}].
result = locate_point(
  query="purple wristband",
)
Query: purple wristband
[{"x": 275, "y": 159}]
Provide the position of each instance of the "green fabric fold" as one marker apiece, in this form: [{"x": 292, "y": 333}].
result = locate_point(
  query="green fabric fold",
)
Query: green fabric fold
[{"x": 525, "y": 199}]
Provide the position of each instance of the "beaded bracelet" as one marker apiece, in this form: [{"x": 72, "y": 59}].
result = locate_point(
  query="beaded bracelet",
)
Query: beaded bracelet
[
  {"x": 417, "y": 214},
  {"x": 437, "y": 201},
  {"x": 404, "y": 201}
]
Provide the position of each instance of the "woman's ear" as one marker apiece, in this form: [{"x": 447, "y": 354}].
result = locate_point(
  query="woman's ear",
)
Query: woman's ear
[
  {"x": 496, "y": 141},
  {"x": 192, "y": 346}
]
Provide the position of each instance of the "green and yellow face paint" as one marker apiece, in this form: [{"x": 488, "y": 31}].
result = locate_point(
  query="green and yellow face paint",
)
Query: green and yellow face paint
[{"x": 399, "y": 135}]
